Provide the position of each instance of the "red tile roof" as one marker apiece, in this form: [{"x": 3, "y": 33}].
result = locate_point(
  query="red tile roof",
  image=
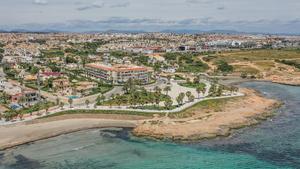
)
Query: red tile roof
[
  {"x": 52, "y": 74},
  {"x": 117, "y": 68}
]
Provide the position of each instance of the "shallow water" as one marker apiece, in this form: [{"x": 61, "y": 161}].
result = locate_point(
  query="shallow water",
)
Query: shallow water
[{"x": 273, "y": 144}]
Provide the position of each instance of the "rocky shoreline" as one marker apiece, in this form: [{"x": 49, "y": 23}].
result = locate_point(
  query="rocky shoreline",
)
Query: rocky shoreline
[{"x": 244, "y": 115}]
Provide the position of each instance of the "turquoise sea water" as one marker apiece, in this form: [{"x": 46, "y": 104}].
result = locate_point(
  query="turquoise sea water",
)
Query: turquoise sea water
[{"x": 273, "y": 144}]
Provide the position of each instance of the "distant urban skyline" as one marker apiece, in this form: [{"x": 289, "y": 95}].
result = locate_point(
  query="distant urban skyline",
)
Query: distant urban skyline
[{"x": 266, "y": 16}]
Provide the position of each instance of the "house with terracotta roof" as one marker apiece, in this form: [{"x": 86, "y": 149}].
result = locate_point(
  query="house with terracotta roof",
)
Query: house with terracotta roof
[
  {"x": 48, "y": 75},
  {"x": 20, "y": 95},
  {"x": 62, "y": 84}
]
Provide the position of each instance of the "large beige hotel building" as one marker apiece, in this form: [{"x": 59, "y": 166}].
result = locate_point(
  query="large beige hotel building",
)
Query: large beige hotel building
[{"x": 118, "y": 74}]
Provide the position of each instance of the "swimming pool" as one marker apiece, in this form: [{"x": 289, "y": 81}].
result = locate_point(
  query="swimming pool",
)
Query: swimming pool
[{"x": 73, "y": 97}]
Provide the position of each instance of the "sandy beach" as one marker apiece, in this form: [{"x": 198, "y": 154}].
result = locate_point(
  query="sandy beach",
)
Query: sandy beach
[
  {"x": 204, "y": 124},
  {"x": 19, "y": 134}
]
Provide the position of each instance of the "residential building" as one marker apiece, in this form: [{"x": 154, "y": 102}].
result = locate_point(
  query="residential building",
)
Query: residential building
[
  {"x": 118, "y": 74},
  {"x": 61, "y": 84},
  {"x": 23, "y": 96},
  {"x": 47, "y": 75},
  {"x": 31, "y": 97},
  {"x": 85, "y": 87}
]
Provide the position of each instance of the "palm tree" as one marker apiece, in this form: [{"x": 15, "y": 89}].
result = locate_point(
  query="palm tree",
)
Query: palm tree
[
  {"x": 112, "y": 96},
  {"x": 129, "y": 86},
  {"x": 196, "y": 80},
  {"x": 157, "y": 98},
  {"x": 143, "y": 101},
  {"x": 178, "y": 99},
  {"x": 138, "y": 97},
  {"x": 47, "y": 110},
  {"x": 57, "y": 101},
  {"x": 102, "y": 98},
  {"x": 233, "y": 89},
  {"x": 191, "y": 98},
  {"x": 199, "y": 90},
  {"x": 152, "y": 98},
  {"x": 118, "y": 100},
  {"x": 181, "y": 95},
  {"x": 188, "y": 80},
  {"x": 126, "y": 87},
  {"x": 131, "y": 100},
  {"x": 21, "y": 114},
  {"x": 203, "y": 90},
  {"x": 87, "y": 102},
  {"x": 169, "y": 77},
  {"x": 157, "y": 89},
  {"x": 220, "y": 90},
  {"x": 70, "y": 101},
  {"x": 167, "y": 89},
  {"x": 98, "y": 99},
  {"x": 188, "y": 94},
  {"x": 61, "y": 105},
  {"x": 9, "y": 115},
  {"x": 21, "y": 80},
  {"x": 111, "y": 100},
  {"x": 168, "y": 103}
]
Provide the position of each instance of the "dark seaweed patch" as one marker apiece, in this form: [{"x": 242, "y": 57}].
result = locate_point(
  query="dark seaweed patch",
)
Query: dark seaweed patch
[{"x": 24, "y": 162}]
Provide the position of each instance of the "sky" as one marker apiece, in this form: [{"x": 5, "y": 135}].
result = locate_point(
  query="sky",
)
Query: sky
[{"x": 267, "y": 16}]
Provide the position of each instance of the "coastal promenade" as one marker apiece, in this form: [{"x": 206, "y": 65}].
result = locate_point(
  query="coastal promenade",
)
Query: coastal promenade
[{"x": 56, "y": 110}]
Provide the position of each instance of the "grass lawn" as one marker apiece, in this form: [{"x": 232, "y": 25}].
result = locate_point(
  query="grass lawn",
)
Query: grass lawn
[
  {"x": 101, "y": 89},
  {"x": 205, "y": 106},
  {"x": 70, "y": 112},
  {"x": 178, "y": 77},
  {"x": 154, "y": 107},
  {"x": 193, "y": 85}
]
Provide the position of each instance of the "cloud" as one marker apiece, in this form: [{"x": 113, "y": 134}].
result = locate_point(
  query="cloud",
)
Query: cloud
[
  {"x": 40, "y": 2},
  {"x": 199, "y": 2},
  {"x": 119, "y": 5},
  {"x": 105, "y": 3},
  {"x": 94, "y": 5},
  {"x": 221, "y": 8},
  {"x": 154, "y": 25}
]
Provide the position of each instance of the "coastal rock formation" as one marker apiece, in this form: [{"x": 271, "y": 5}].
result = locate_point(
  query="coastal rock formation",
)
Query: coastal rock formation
[{"x": 203, "y": 124}]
